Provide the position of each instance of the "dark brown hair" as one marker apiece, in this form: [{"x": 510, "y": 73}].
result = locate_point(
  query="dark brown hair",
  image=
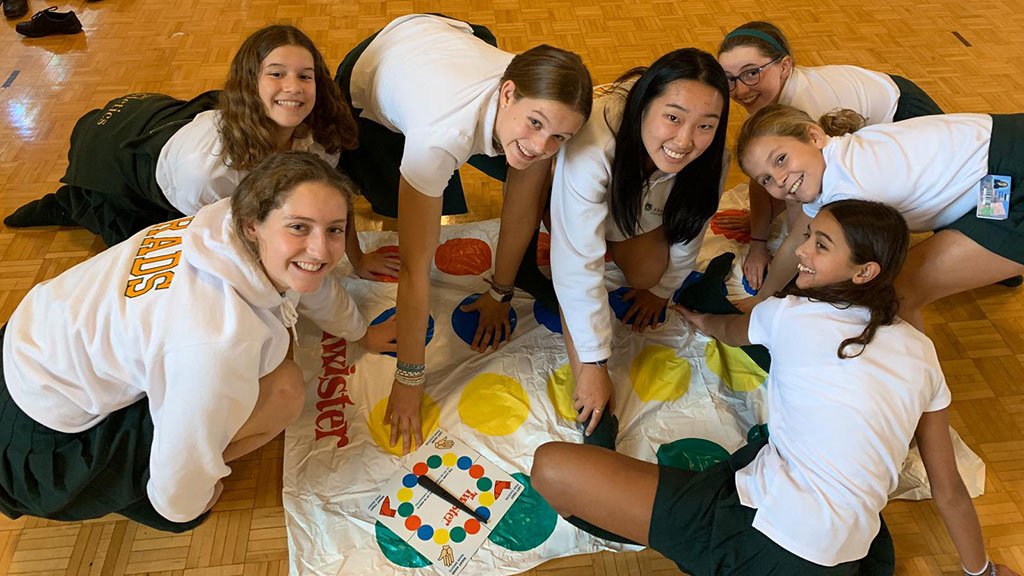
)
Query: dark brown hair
[
  {"x": 269, "y": 185},
  {"x": 247, "y": 132},
  {"x": 737, "y": 38},
  {"x": 548, "y": 73},
  {"x": 875, "y": 232}
]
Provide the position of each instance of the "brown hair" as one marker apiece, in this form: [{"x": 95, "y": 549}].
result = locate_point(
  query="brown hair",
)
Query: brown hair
[
  {"x": 875, "y": 232},
  {"x": 787, "y": 121},
  {"x": 742, "y": 36},
  {"x": 246, "y": 130},
  {"x": 547, "y": 73},
  {"x": 269, "y": 185}
]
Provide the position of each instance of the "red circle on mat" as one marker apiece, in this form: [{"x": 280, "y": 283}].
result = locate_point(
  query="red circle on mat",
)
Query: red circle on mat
[
  {"x": 472, "y": 526},
  {"x": 413, "y": 522},
  {"x": 476, "y": 471},
  {"x": 733, "y": 224},
  {"x": 420, "y": 468},
  {"x": 385, "y": 250},
  {"x": 463, "y": 257},
  {"x": 544, "y": 249}
]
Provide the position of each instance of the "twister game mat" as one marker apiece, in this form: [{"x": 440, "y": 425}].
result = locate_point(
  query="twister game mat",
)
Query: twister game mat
[{"x": 681, "y": 398}]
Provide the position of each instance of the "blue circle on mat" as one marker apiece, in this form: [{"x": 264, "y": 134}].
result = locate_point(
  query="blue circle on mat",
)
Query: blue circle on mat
[
  {"x": 409, "y": 480},
  {"x": 464, "y": 462},
  {"x": 747, "y": 288},
  {"x": 546, "y": 318},
  {"x": 391, "y": 312},
  {"x": 483, "y": 512},
  {"x": 426, "y": 532},
  {"x": 620, "y": 307},
  {"x": 692, "y": 279},
  {"x": 465, "y": 323}
]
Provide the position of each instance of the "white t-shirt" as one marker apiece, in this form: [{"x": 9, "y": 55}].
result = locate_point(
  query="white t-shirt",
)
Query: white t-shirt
[
  {"x": 822, "y": 89},
  {"x": 176, "y": 314},
  {"x": 581, "y": 225},
  {"x": 840, "y": 429},
  {"x": 192, "y": 171},
  {"x": 928, "y": 168},
  {"x": 429, "y": 78}
]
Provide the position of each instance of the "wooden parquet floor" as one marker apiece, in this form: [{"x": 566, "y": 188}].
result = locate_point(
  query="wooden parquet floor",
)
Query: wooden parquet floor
[{"x": 182, "y": 47}]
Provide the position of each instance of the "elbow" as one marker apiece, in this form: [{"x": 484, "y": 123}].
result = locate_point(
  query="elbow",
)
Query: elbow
[{"x": 950, "y": 494}]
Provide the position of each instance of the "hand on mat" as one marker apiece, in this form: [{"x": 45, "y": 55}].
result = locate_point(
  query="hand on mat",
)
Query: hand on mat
[
  {"x": 447, "y": 556},
  {"x": 382, "y": 337},
  {"x": 403, "y": 414},
  {"x": 594, "y": 395},
  {"x": 695, "y": 319},
  {"x": 755, "y": 264},
  {"x": 646, "y": 309},
  {"x": 386, "y": 264},
  {"x": 493, "y": 322}
]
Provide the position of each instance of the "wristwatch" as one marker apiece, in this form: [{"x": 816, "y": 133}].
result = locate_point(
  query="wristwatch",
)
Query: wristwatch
[
  {"x": 501, "y": 296},
  {"x": 598, "y": 363}
]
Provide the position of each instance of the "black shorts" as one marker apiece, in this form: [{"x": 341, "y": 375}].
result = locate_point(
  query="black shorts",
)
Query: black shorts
[
  {"x": 913, "y": 100},
  {"x": 699, "y": 523},
  {"x": 78, "y": 476}
]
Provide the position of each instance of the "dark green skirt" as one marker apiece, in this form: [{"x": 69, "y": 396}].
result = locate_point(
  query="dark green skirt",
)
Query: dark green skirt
[
  {"x": 913, "y": 100},
  {"x": 1005, "y": 158},
  {"x": 699, "y": 523},
  {"x": 375, "y": 164},
  {"x": 72, "y": 477}
]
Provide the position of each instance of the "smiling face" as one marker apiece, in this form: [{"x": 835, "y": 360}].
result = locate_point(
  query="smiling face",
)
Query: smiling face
[
  {"x": 301, "y": 241},
  {"x": 825, "y": 257},
  {"x": 287, "y": 87},
  {"x": 531, "y": 129},
  {"x": 680, "y": 124},
  {"x": 788, "y": 168},
  {"x": 744, "y": 60}
]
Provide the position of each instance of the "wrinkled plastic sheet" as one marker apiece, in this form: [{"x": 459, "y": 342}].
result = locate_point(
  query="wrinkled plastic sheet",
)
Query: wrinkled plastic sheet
[{"x": 671, "y": 398}]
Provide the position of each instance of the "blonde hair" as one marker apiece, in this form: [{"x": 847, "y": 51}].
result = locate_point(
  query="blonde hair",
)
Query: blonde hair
[
  {"x": 790, "y": 122},
  {"x": 247, "y": 133}
]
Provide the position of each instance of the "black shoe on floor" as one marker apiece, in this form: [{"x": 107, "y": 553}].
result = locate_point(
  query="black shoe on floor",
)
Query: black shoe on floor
[
  {"x": 1012, "y": 282},
  {"x": 49, "y": 21},
  {"x": 15, "y": 8},
  {"x": 43, "y": 212}
]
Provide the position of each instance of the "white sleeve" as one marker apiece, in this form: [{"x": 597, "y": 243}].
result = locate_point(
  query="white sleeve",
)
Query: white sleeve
[
  {"x": 210, "y": 392},
  {"x": 333, "y": 310},
  {"x": 426, "y": 165},
  {"x": 764, "y": 320},
  {"x": 579, "y": 208},
  {"x": 202, "y": 181}
]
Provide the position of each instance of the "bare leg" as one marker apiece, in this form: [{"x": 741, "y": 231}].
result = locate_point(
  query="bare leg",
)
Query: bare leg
[
  {"x": 945, "y": 264},
  {"x": 282, "y": 395},
  {"x": 643, "y": 259},
  {"x": 606, "y": 489}
]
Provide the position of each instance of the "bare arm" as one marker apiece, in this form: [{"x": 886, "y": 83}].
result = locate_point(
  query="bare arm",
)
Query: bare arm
[
  {"x": 730, "y": 329},
  {"x": 760, "y": 226},
  {"x": 783, "y": 267}
]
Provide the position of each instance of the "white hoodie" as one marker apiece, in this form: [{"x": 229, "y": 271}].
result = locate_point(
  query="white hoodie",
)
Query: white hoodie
[{"x": 178, "y": 314}]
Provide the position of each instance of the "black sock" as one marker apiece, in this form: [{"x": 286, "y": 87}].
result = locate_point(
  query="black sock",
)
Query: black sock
[
  {"x": 595, "y": 531},
  {"x": 530, "y": 279},
  {"x": 604, "y": 434},
  {"x": 1012, "y": 282},
  {"x": 46, "y": 211}
]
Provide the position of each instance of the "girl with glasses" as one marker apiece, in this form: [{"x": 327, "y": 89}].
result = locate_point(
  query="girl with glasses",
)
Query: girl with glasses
[{"x": 762, "y": 71}]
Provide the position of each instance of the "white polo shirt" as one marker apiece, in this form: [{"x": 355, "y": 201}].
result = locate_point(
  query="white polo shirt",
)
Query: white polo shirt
[
  {"x": 429, "y": 78},
  {"x": 822, "y": 89},
  {"x": 192, "y": 170},
  {"x": 581, "y": 225},
  {"x": 928, "y": 168},
  {"x": 840, "y": 429}
]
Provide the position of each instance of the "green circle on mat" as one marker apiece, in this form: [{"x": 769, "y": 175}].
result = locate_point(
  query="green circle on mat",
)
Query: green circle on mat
[
  {"x": 528, "y": 523},
  {"x": 405, "y": 509},
  {"x": 691, "y": 454},
  {"x": 483, "y": 484},
  {"x": 757, "y": 432},
  {"x": 434, "y": 461},
  {"x": 397, "y": 550},
  {"x": 458, "y": 534}
]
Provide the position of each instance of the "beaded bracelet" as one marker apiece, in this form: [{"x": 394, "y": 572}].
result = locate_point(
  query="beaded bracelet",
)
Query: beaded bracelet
[
  {"x": 989, "y": 569},
  {"x": 409, "y": 379},
  {"x": 411, "y": 368}
]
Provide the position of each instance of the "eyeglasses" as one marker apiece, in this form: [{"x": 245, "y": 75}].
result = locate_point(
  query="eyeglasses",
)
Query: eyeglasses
[{"x": 750, "y": 77}]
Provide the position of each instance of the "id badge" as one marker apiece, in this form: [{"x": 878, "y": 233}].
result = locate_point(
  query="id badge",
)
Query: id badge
[{"x": 994, "y": 197}]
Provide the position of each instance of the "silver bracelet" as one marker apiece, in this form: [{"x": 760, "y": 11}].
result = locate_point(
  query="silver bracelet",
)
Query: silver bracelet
[
  {"x": 989, "y": 569},
  {"x": 408, "y": 379}
]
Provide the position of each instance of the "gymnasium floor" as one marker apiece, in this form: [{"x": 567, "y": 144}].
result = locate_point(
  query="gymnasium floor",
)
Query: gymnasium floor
[{"x": 966, "y": 55}]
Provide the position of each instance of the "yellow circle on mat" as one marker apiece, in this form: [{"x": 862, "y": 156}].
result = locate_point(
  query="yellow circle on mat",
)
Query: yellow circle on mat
[
  {"x": 494, "y": 404},
  {"x": 734, "y": 367},
  {"x": 441, "y": 537},
  {"x": 449, "y": 459},
  {"x": 658, "y": 374},
  {"x": 430, "y": 413},
  {"x": 486, "y": 499},
  {"x": 561, "y": 386},
  {"x": 404, "y": 494}
]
